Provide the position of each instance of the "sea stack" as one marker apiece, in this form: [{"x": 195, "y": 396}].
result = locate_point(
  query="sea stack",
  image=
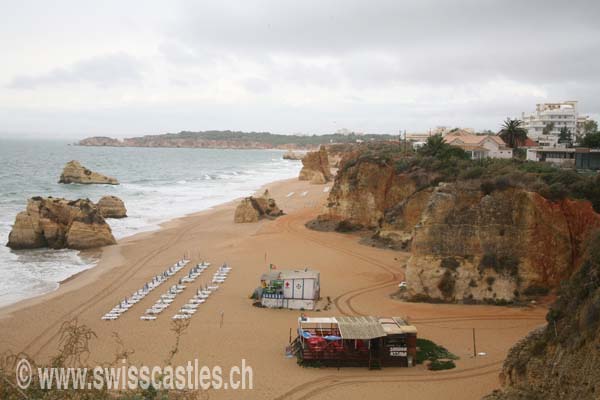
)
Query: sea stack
[
  {"x": 74, "y": 172},
  {"x": 315, "y": 167},
  {"x": 59, "y": 223},
  {"x": 251, "y": 209},
  {"x": 112, "y": 207}
]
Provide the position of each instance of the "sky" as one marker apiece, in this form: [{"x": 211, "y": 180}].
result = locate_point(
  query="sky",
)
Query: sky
[{"x": 72, "y": 69}]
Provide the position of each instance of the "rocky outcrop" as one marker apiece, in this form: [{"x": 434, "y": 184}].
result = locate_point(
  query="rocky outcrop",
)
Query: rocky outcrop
[
  {"x": 212, "y": 140},
  {"x": 252, "y": 209},
  {"x": 100, "y": 141},
  {"x": 315, "y": 167},
  {"x": 504, "y": 246},
  {"x": 112, "y": 207},
  {"x": 59, "y": 223},
  {"x": 74, "y": 172},
  {"x": 561, "y": 360},
  {"x": 290, "y": 155},
  {"x": 365, "y": 189}
]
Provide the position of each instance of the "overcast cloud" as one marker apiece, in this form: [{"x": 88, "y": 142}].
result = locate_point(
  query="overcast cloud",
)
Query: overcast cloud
[{"x": 116, "y": 68}]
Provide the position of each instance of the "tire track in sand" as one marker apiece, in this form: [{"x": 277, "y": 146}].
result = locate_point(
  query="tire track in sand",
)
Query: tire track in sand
[
  {"x": 103, "y": 293},
  {"x": 344, "y": 300},
  {"x": 318, "y": 386}
]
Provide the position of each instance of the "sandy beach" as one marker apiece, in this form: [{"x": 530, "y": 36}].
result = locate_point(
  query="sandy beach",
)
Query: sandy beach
[{"x": 358, "y": 279}]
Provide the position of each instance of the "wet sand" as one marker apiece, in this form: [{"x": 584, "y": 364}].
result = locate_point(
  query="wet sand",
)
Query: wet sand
[{"x": 358, "y": 279}]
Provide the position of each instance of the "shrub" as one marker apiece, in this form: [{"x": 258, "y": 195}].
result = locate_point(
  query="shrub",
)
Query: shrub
[
  {"x": 447, "y": 284},
  {"x": 473, "y": 173},
  {"x": 490, "y": 280},
  {"x": 450, "y": 263},
  {"x": 487, "y": 187},
  {"x": 507, "y": 265},
  {"x": 557, "y": 191},
  {"x": 535, "y": 291},
  {"x": 438, "y": 365},
  {"x": 488, "y": 260},
  {"x": 428, "y": 350}
]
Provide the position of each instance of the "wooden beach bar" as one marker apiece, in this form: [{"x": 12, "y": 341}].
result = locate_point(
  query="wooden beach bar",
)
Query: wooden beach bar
[{"x": 355, "y": 341}]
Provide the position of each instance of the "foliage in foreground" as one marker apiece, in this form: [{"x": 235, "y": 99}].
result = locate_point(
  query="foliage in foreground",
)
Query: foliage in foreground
[{"x": 73, "y": 352}]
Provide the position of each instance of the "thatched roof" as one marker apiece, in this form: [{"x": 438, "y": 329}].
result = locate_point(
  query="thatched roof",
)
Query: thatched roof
[{"x": 360, "y": 327}]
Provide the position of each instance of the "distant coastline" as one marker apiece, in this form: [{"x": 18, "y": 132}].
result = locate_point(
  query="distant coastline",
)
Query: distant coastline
[{"x": 229, "y": 140}]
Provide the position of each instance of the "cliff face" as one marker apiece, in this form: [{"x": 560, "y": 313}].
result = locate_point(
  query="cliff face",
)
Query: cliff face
[
  {"x": 503, "y": 246},
  {"x": 100, "y": 141},
  {"x": 59, "y": 223},
  {"x": 364, "y": 190},
  {"x": 562, "y": 359},
  {"x": 315, "y": 167},
  {"x": 469, "y": 242}
]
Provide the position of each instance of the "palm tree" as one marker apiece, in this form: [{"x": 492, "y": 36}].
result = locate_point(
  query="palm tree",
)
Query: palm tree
[
  {"x": 513, "y": 133},
  {"x": 434, "y": 146}
]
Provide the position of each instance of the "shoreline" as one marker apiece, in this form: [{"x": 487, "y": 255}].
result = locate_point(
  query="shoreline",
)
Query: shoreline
[
  {"x": 359, "y": 279},
  {"x": 96, "y": 254}
]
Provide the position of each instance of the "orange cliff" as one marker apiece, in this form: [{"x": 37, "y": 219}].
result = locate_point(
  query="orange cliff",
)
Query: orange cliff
[{"x": 466, "y": 245}]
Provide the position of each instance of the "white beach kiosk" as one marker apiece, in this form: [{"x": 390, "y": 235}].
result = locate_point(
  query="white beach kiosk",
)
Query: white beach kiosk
[{"x": 293, "y": 289}]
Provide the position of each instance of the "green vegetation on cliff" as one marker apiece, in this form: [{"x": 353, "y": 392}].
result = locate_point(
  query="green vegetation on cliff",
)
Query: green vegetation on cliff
[
  {"x": 233, "y": 139},
  {"x": 451, "y": 164},
  {"x": 562, "y": 359}
]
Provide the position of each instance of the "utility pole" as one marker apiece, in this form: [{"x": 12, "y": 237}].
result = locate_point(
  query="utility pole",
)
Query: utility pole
[{"x": 400, "y": 140}]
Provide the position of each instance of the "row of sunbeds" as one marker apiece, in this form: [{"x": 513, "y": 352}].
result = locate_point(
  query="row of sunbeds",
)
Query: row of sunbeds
[
  {"x": 167, "y": 298},
  {"x": 148, "y": 287},
  {"x": 202, "y": 294}
]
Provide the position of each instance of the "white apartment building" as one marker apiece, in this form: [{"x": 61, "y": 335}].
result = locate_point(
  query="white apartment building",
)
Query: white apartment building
[{"x": 564, "y": 114}]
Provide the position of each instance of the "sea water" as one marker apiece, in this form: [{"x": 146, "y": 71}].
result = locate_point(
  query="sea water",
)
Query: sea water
[{"x": 157, "y": 184}]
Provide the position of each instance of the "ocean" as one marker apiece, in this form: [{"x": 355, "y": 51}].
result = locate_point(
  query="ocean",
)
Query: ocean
[{"x": 157, "y": 184}]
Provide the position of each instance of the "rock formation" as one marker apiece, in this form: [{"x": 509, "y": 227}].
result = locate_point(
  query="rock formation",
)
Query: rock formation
[
  {"x": 561, "y": 360},
  {"x": 364, "y": 190},
  {"x": 100, "y": 141},
  {"x": 315, "y": 167},
  {"x": 59, "y": 223},
  {"x": 251, "y": 209},
  {"x": 503, "y": 246},
  {"x": 290, "y": 155},
  {"x": 112, "y": 207},
  {"x": 74, "y": 172},
  {"x": 469, "y": 241}
]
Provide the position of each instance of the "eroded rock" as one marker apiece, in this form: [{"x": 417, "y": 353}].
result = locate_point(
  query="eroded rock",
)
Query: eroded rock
[
  {"x": 315, "y": 167},
  {"x": 74, "y": 172},
  {"x": 112, "y": 207},
  {"x": 251, "y": 209},
  {"x": 59, "y": 223}
]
